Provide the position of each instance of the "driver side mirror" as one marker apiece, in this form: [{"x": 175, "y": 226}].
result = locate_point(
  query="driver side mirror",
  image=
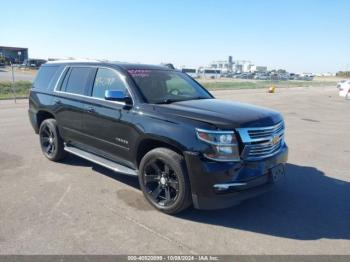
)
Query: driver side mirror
[{"x": 116, "y": 95}]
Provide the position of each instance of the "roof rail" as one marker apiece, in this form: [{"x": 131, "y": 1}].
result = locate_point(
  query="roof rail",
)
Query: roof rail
[{"x": 75, "y": 61}]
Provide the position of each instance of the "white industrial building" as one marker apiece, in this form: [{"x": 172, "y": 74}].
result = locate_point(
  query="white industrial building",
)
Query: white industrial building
[
  {"x": 258, "y": 69},
  {"x": 246, "y": 67},
  {"x": 220, "y": 67},
  {"x": 224, "y": 66},
  {"x": 236, "y": 66}
]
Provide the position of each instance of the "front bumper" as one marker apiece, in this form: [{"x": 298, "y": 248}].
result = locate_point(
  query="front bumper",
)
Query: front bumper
[{"x": 218, "y": 185}]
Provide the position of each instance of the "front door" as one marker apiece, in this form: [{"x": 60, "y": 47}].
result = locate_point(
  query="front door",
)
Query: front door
[{"x": 107, "y": 124}]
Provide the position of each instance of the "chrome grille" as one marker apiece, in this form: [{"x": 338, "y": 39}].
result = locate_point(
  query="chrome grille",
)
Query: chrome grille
[{"x": 261, "y": 142}]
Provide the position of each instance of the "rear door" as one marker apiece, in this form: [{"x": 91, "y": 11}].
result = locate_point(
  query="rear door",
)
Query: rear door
[{"x": 68, "y": 106}]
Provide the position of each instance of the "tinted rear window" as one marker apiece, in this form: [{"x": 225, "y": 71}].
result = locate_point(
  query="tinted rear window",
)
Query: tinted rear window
[
  {"x": 44, "y": 77},
  {"x": 78, "y": 79}
]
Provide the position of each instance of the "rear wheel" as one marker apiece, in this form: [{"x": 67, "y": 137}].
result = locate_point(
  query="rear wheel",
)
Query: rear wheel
[
  {"x": 50, "y": 140},
  {"x": 164, "y": 181}
]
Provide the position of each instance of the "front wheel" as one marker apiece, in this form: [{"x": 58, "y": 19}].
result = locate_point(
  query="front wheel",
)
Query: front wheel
[
  {"x": 164, "y": 181},
  {"x": 50, "y": 140}
]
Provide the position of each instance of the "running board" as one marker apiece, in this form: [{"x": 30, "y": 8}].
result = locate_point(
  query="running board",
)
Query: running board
[{"x": 101, "y": 161}]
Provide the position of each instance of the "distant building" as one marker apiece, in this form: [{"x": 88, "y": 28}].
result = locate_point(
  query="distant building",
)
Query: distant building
[
  {"x": 14, "y": 54},
  {"x": 224, "y": 66},
  {"x": 258, "y": 69},
  {"x": 246, "y": 67},
  {"x": 235, "y": 66}
]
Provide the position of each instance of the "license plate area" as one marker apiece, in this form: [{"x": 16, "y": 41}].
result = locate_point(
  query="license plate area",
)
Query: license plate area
[{"x": 277, "y": 172}]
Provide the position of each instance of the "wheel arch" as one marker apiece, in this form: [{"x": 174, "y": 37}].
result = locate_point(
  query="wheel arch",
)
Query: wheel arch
[
  {"x": 148, "y": 143},
  {"x": 42, "y": 115}
]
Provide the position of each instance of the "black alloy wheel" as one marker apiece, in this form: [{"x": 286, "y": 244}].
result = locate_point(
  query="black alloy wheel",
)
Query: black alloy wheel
[
  {"x": 47, "y": 138},
  {"x": 161, "y": 183},
  {"x": 164, "y": 181},
  {"x": 50, "y": 140}
]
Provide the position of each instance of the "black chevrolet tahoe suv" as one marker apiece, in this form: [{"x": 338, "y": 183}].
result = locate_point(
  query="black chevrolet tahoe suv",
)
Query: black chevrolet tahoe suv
[{"x": 186, "y": 147}]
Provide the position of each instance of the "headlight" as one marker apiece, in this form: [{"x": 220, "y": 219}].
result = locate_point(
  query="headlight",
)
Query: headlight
[{"x": 223, "y": 143}]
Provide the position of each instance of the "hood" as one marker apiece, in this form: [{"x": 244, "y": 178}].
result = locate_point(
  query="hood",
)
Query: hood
[{"x": 222, "y": 113}]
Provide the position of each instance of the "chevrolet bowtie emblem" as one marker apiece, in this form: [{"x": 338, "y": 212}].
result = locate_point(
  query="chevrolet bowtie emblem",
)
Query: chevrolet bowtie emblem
[{"x": 275, "y": 139}]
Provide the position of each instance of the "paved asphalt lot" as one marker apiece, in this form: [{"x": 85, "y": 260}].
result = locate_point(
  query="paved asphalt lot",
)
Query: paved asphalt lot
[
  {"x": 75, "y": 207},
  {"x": 20, "y": 75}
]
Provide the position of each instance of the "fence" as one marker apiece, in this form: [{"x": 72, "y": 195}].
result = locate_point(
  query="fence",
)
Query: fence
[{"x": 15, "y": 82}]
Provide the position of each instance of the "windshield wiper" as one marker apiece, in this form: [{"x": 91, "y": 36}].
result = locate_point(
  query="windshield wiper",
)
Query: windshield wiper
[
  {"x": 199, "y": 97},
  {"x": 169, "y": 101}
]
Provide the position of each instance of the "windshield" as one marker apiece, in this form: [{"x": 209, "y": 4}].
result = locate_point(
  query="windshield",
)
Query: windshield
[{"x": 162, "y": 86}]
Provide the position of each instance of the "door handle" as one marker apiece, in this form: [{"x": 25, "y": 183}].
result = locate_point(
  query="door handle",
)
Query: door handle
[
  {"x": 90, "y": 109},
  {"x": 57, "y": 101}
]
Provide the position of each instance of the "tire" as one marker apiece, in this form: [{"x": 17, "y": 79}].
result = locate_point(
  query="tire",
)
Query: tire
[
  {"x": 50, "y": 140},
  {"x": 164, "y": 181}
]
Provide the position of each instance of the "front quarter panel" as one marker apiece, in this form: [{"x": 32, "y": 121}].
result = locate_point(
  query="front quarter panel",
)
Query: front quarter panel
[{"x": 176, "y": 132}]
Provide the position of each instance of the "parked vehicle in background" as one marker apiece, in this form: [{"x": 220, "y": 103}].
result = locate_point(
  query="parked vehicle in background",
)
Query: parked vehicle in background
[
  {"x": 190, "y": 71},
  {"x": 308, "y": 78},
  {"x": 186, "y": 147},
  {"x": 262, "y": 76},
  {"x": 344, "y": 88},
  {"x": 245, "y": 76},
  {"x": 274, "y": 76},
  {"x": 305, "y": 77},
  {"x": 293, "y": 76},
  {"x": 227, "y": 75},
  {"x": 342, "y": 83},
  {"x": 32, "y": 63},
  {"x": 2, "y": 62},
  {"x": 209, "y": 73},
  {"x": 283, "y": 77}
]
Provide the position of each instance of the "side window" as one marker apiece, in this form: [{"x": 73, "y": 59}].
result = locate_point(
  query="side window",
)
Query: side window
[
  {"x": 107, "y": 79},
  {"x": 44, "y": 77},
  {"x": 78, "y": 79}
]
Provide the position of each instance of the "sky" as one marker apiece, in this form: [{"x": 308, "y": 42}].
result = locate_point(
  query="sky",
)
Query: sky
[{"x": 299, "y": 36}]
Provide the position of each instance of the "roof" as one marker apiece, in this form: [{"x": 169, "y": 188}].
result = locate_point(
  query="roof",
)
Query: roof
[
  {"x": 12, "y": 48},
  {"x": 126, "y": 66}
]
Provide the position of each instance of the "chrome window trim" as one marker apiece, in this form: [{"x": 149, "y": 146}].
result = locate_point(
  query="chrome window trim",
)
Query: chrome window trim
[
  {"x": 60, "y": 78},
  {"x": 123, "y": 78}
]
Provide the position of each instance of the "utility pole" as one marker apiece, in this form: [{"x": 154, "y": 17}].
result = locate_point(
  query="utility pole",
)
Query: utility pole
[{"x": 13, "y": 83}]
